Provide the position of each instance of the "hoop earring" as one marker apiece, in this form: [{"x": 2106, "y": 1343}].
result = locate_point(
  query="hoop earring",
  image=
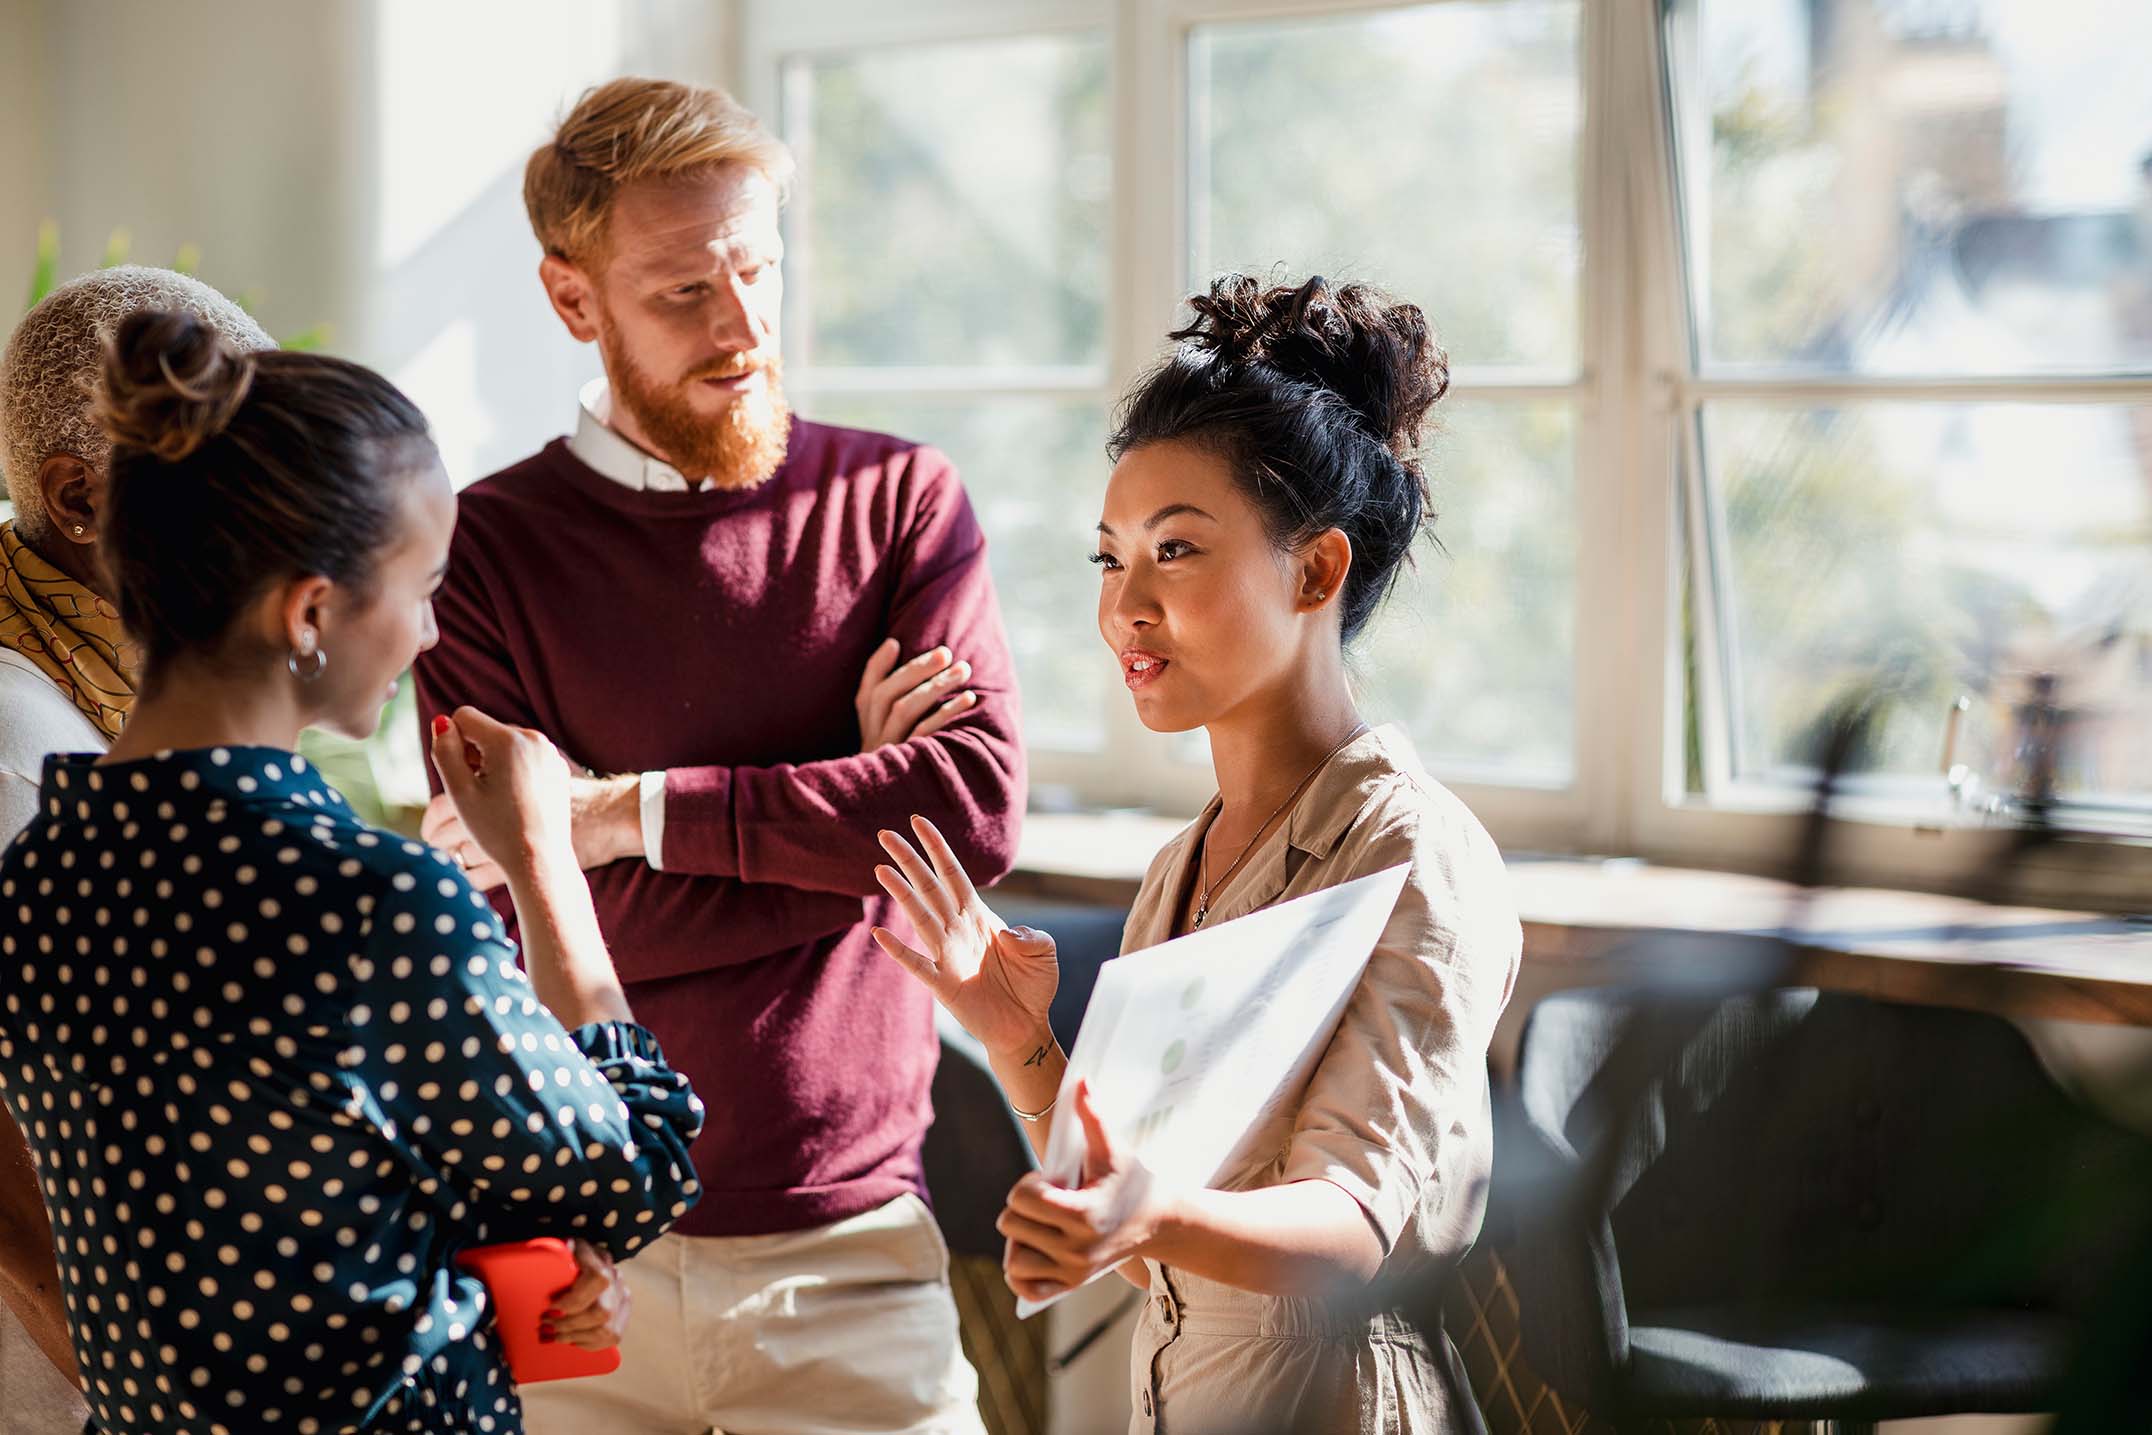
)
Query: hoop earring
[{"x": 320, "y": 658}]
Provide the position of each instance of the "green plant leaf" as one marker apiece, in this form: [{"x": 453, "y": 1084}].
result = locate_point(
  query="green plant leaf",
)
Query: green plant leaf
[
  {"x": 45, "y": 277},
  {"x": 45, "y": 274}
]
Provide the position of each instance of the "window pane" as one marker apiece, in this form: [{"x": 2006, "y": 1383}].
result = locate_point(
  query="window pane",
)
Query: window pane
[
  {"x": 951, "y": 206},
  {"x": 1036, "y": 472},
  {"x": 1918, "y": 186},
  {"x": 1942, "y": 549},
  {"x": 1475, "y": 653},
  {"x": 1432, "y": 150}
]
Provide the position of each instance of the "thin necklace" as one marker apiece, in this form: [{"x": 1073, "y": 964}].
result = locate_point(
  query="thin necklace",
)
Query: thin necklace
[{"x": 1203, "y": 857}]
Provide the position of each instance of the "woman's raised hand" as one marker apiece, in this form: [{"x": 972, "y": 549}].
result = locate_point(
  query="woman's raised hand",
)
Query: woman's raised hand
[
  {"x": 509, "y": 789},
  {"x": 996, "y": 980}
]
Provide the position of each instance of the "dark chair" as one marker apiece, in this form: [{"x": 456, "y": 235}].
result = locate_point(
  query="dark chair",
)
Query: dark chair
[{"x": 1813, "y": 1206}]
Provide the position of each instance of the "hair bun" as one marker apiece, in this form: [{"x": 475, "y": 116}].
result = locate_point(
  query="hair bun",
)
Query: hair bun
[
  {"x": 170, "y": 383},
  {"x": 1376, "y": 354}
]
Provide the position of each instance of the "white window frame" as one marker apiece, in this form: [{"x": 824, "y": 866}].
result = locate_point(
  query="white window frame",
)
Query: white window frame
[{"x": 1635, "y": 393}]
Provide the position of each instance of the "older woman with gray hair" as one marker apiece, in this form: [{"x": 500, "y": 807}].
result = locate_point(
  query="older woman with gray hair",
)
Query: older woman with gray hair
[
  {"x": 66, "y": 670},
  {"x": 67, "y": 682}
]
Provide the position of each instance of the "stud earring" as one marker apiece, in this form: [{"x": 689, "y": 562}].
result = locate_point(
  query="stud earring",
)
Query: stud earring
[{"x": 79, "y": 530}]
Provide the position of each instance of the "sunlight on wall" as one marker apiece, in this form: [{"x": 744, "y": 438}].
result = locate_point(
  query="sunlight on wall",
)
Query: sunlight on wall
[
  {"x": 457, "y": 97},
  {"x": 467, "y": 91},
  {"x": 442, "y": 379}
]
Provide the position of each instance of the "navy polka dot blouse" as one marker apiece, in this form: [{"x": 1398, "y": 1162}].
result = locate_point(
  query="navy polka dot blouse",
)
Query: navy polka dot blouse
[{"x": 276, "y": 1068}]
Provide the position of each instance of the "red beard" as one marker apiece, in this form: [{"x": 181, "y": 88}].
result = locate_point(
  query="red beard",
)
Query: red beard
[{"x": 737, "y": 449}]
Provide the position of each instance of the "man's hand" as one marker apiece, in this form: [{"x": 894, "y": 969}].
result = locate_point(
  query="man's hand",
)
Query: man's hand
[
  {"x": 605, "y": 814},
  {"x": 898, "y": 702}
]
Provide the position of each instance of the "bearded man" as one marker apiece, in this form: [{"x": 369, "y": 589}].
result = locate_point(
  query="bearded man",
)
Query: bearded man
[{"x": 782, "y": 636}]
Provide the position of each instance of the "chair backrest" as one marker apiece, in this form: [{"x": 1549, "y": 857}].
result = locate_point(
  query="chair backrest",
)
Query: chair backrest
[
  {"x": 1797, "y": 1145},
  {"x": 976, "y": 1150}
]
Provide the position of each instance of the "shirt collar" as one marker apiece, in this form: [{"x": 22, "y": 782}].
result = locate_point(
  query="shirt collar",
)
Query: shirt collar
[
  {"x": 78, "y": 785},
  {"x": 602, "y": 448},
  {"x": 1346, "y": 782},
  {"x": 1339, "y": 793}
]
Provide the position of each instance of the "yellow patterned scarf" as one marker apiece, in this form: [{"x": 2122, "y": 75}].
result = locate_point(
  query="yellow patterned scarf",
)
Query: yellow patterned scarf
[{"x": 72, "y": 635}]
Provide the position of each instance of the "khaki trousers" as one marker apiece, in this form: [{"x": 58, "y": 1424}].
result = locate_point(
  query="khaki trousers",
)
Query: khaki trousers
[{"x": 844, "y": 1328}]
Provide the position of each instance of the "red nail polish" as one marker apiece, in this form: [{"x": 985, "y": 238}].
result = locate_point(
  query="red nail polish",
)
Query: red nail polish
[{"x": 440, "y": 724}]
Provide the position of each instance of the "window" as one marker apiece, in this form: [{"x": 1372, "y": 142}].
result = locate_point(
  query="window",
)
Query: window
[
  {"x": 1920, "y": 279},
  {"x": 947, "y": 282},
  {"x": 1433, "y": 150},
  {"x": 1799, "y": 347}
]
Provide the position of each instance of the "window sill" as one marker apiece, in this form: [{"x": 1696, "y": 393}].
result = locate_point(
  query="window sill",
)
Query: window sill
[{"x": 1583, "y": 918}]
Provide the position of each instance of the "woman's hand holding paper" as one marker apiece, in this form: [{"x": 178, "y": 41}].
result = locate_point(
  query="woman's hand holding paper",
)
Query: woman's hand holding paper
[{"x": 1059, "y": 1237}]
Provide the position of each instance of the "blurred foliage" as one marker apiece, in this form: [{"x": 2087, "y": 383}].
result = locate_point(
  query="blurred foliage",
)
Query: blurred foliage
[{"x": 119, "y": 249}]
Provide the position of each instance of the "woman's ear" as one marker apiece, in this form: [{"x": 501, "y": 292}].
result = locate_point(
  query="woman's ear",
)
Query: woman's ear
[
  {"x": 1324, "y": 562},
  {"x": 300, "y": 615},
  {"x": 71, "y": 487}
]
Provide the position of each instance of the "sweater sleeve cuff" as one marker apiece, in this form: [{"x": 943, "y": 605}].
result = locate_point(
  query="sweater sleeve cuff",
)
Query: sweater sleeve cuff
[{"x": 699, "y": 836}]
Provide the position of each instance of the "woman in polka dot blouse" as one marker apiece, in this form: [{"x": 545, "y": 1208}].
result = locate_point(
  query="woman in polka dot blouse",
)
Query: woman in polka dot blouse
[{"x": 276, "y": 1067}]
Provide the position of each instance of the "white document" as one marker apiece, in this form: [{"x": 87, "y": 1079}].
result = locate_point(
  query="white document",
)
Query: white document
[{"x": 1190, "y": 1045}]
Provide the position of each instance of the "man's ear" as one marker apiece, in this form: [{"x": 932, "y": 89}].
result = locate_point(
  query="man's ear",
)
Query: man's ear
[{"x": 573, "y": 296}]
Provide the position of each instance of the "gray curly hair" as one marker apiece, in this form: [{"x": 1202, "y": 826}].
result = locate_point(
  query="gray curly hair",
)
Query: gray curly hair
[{"x": 51, "y": 364}]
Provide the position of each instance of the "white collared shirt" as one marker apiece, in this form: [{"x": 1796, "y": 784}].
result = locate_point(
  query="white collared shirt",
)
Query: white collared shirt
[
  {"x": 604, "y": 450},
  {"x": 602, "y": 447}
]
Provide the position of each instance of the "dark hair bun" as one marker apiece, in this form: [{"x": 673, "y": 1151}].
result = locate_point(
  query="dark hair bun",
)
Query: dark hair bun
[
  {"x": 170, "y": 383},
  {"x": 1376, "y": 354},
  {"x": 1316, "y": 397}
]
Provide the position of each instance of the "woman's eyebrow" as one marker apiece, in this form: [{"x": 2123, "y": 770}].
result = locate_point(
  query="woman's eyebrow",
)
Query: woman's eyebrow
[{"x": 1171, "y": 510}]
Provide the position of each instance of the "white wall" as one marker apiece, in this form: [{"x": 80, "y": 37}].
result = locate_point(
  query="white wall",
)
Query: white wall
[
  {"x": 227, "y": 124},
  {"x": 354, "y": 163},
  {"x": 22, "y": 149}
]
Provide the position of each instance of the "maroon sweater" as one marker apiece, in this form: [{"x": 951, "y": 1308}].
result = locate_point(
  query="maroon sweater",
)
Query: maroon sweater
[{"x": 720, "y": 636}]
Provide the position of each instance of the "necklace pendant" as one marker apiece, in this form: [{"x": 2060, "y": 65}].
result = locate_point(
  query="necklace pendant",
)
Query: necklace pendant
[{"x": 1201, "y": 913}]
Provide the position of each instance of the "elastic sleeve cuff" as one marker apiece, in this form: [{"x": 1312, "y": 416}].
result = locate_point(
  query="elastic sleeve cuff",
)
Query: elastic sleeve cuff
[
  {"x": 653, "y": 814},
  {"x": 604, "y": 1041}
]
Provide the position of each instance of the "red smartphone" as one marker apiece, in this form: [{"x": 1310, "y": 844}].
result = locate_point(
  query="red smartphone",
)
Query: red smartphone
[{"x": 523, "y": 1277}]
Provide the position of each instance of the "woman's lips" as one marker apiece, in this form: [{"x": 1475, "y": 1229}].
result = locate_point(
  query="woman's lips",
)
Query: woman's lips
[{"x": 1140, "y": 670}]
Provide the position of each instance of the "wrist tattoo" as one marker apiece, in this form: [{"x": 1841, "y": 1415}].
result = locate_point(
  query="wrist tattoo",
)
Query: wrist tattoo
[{"x": 1038, "y": 1058}]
